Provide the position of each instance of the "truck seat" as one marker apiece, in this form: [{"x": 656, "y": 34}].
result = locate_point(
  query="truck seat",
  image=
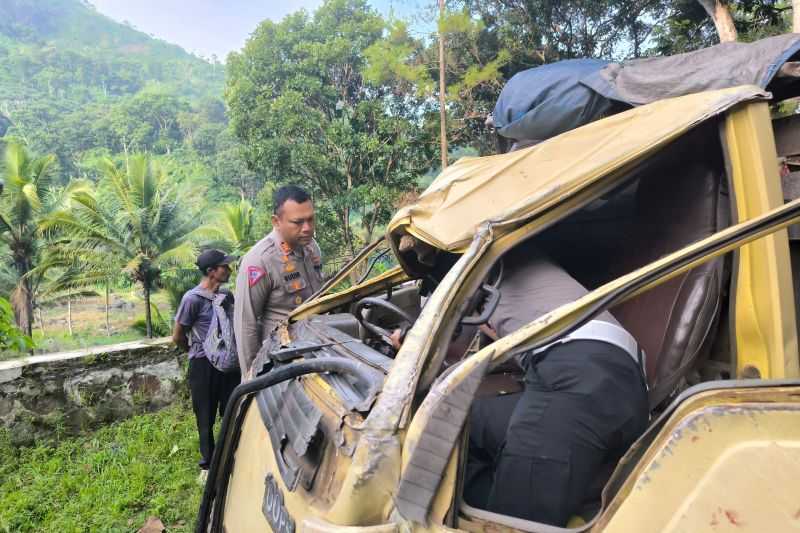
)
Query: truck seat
[{"x": 675, "y": 322}]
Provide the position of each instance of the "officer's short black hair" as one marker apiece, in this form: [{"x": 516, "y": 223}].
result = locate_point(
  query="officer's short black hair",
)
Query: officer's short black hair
[{"x": 288, "y": 192}]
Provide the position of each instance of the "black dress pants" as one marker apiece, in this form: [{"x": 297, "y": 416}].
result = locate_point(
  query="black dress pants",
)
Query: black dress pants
[
  {"x": 210, "y": 390},
  {"x": 534, "y": 454}
]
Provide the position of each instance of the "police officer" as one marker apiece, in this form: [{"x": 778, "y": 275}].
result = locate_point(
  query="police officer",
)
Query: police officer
[
  {"x": 535, "y": 454},
  {"x": 279, "y": 273}
]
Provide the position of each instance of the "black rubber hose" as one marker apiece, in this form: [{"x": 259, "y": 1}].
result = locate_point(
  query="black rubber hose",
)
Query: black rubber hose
[{"x": 244, "y": 390}]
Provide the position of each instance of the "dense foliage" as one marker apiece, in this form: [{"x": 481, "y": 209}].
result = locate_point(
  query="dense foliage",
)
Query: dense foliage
[
  {"x": 301, "y": 106},
  {"x": 138, "y": 220},
  {"x": 488, "y": 41},
  {"x": 78, "y": 85},
  {"x": 11, "y": 338}
]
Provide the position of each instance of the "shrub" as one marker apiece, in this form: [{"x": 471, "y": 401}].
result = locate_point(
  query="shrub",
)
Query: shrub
[
  {"x": 161, "y": 326},
  {"x": 11, "y": 338}
]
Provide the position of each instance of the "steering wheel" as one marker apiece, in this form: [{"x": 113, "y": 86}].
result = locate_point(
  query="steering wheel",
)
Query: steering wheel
[{"x": 386, "y": 305}]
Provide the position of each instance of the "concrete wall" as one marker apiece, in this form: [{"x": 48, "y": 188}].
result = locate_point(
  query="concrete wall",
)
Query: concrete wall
[{"x": 73, "y": 391}]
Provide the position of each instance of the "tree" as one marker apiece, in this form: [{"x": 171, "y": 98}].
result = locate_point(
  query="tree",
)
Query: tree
[
  {"x": 536, "y": 32},
  {"x": 232, "y": 228},
  {"x": 469, "y": 76},
  {"x": 67, "y": 269},
  {"x": 488, "y": 41},
  {"x": 137, "y": 220},
  {"x": 55, "y": 271},
  {"x": 21, "y": 210},
  {"x": 148, "y": 121},
  {"x": 723, "y": 21},
  {"x": 688, "y": 25},
  {"x": 303, "y": 111}
]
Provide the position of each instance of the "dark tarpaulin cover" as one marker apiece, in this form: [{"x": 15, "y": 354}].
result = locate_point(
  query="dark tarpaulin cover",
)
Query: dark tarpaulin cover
[
  {"x": 545, "y": 101},
  {"x": 642, "y": 81}
]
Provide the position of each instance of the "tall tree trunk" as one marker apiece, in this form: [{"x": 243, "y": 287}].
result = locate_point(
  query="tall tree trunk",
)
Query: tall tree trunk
[
  {"x": 148, "y": 318},
  {"x": 796, "y": 16},
  {"x": 349, "y": 241},
  {"x": 723, "y": 21},
  {"x": 125, "y": 149},
  {"x": 22, "y": 298},
  {"x": 371, "y": 221},
  {"x": 69, "y": 313},
  {"x": 442, "y": 108},
  {"x": 108, "y": 323},
  {"x": 29, "y": 308},
  {"x": 23, "y": 308},
  {"x": 41, "y": 321}
]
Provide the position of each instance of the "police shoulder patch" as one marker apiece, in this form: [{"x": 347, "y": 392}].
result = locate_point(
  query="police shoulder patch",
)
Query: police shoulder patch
[{"x": 254, "y": 275}]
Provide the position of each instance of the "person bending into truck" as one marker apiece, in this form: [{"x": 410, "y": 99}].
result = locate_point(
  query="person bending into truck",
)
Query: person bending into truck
[
  {"x": 534, "y": 454},
  {"x": 210, "y": 383}
]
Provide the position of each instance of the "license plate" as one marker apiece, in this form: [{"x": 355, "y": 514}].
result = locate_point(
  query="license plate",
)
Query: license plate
[{"x": 274, "y": 509}]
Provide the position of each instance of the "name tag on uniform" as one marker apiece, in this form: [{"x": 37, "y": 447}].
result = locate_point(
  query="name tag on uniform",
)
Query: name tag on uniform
[{"x": 297, "y": 284}]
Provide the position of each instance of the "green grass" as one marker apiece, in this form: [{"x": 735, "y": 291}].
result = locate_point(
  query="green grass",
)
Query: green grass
[
  {"x": 62, "y": 341},
  {"x": 110, "y": 480},
  {"x": 89, "y": 323}
]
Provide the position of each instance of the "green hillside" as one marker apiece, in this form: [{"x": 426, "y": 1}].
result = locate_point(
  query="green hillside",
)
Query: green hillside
[
  {"x": 75, "y": 24},
  {"x": 75, "y": 83},
  {"x": 66, "y": 48}
]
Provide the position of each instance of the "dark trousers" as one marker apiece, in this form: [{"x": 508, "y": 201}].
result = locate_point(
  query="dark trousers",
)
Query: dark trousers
[
  {"x": 536, "y": 454},
  {"x": 210, "y": 390}
]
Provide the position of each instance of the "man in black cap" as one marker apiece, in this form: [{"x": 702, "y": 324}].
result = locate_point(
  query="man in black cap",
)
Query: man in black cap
[{"x": 210, "y": 388}]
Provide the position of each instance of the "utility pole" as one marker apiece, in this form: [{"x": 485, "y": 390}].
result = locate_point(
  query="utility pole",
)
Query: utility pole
[{"x": 442, "y": 110}]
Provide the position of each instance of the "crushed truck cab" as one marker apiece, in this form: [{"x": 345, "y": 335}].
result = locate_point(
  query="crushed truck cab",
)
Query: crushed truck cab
[{"x": 672, "y": 214}]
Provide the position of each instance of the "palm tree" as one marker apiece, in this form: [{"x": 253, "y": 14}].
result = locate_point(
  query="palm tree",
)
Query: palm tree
[
  {"x": 22, "y": 207},
  {"x": 232, "y": 228},
  {"x": 137, "y": 220}
]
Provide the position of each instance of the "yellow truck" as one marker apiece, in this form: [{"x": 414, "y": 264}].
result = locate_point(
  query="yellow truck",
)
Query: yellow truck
[{"x": 673, "y": 214}]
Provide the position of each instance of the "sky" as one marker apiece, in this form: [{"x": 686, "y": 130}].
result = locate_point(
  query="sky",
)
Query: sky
[{"x": 206, "y": 27}]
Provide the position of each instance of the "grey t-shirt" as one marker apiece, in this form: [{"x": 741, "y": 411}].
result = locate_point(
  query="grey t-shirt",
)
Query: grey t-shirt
[{"x": 195, "y": 313}]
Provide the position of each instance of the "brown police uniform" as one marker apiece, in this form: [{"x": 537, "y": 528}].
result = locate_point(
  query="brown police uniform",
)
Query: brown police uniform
[{"x": 272, "y": 281}]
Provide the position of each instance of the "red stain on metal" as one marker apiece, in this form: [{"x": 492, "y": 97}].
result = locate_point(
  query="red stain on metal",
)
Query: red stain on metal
[
  {"x": 733, "y": 517},
  {"x": 796, "y": 515}
]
